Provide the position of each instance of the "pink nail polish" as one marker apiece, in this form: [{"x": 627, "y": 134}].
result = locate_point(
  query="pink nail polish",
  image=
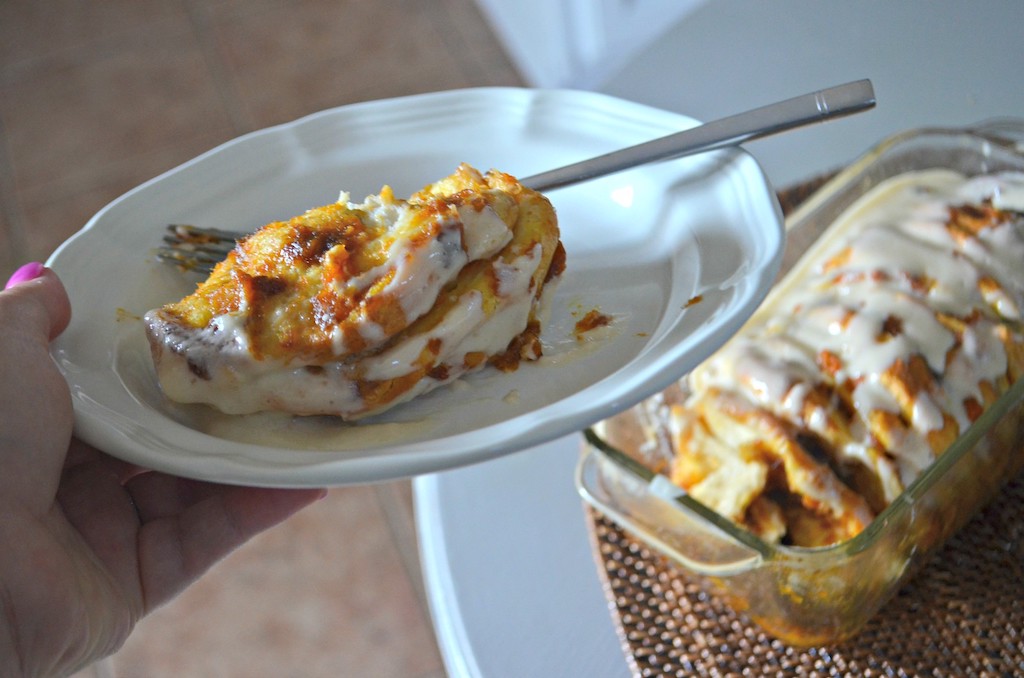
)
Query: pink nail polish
[{"x": 27, "y": 272}]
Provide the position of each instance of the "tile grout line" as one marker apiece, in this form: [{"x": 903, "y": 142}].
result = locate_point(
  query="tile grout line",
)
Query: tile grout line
[
  {"x": 227, "y": 89},
  {"x": 13, "y": 220},
  {"x": 449, "y": 30},
  {"x": 474, "y": 69},
  {"x": 403, "y": 534}
]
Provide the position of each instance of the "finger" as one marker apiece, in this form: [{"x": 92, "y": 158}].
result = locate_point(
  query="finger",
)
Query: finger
[
  {"x": 36, "y": 305},
  {"x": 81, "y": 452},
  {"x": 35, "y": 407},
  {"x": 177, "y": 548},
  {"x": 27, "y": 272},
  {"x": 100, "y": 509},
  {"x": 159, "y": 495}
]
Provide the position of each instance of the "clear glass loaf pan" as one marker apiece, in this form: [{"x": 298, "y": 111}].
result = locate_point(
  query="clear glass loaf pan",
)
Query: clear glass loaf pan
[{"x": 823, "y": 595}]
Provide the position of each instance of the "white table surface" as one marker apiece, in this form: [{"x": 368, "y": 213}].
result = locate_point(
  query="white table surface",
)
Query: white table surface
[
  {"x": 506, "y": 558},
  {"x": 508, "y": 567}
]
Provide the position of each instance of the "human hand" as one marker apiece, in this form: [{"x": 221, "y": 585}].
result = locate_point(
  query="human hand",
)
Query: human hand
[{"x": 90, "y": 544}]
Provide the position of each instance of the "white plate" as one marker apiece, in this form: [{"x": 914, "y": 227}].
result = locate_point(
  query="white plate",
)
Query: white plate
[{"x": 641, "y": 244}]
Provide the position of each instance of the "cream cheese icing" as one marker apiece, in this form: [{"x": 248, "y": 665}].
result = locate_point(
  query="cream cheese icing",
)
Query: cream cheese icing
[
  {"x": 891, "y": 259},
  {"x": 353, "y": 308}
]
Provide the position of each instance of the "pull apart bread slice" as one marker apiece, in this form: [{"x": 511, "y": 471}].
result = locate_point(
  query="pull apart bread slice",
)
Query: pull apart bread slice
[
  {"x": 350, "y": 309},
  {"x": 865, "y": 365}
]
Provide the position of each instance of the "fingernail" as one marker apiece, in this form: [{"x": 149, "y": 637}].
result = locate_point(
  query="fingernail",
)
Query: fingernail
[{"x": 29, "y": 271}]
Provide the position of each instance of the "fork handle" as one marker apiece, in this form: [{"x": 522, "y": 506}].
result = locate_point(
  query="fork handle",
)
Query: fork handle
[{"x": 805, "y": 109}]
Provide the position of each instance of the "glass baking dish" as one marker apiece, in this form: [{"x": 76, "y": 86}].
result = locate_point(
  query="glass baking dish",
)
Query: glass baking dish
[{"x": 814, "y": 596}]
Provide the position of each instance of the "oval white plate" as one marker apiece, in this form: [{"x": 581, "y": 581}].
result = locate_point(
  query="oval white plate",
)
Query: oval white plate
[{"x": 641, "y": 245}]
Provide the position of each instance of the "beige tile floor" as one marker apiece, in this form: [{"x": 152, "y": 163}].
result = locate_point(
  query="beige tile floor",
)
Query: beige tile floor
[{"x": 97, "y": 96}]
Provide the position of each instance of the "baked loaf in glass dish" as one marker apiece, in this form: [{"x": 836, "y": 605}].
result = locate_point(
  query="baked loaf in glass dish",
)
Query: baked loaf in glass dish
[
  {"x": 889, "y": 339},
  {"x": 868, "y": 409},
  {"x": 352, "y": 308}
]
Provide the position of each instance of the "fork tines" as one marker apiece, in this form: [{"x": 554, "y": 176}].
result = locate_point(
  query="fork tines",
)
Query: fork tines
[{"x": 196, "y": 249}]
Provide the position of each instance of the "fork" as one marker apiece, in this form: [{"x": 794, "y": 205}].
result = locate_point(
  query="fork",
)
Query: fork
[{"x": 199, "y": 249}]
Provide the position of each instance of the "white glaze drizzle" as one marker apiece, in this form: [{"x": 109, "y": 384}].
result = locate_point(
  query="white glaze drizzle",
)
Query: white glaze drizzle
[
  {"x": 239, "y": 384},
  {"x": 895, "y": 236},
  {"x": 419, "y": 268}
]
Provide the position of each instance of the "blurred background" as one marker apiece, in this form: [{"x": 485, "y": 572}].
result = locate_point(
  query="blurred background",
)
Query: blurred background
[{"x": 99, "y": 96}]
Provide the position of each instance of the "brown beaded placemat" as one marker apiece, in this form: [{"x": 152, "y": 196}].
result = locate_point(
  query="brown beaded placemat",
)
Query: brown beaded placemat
[{"x": 961, "y": 615}]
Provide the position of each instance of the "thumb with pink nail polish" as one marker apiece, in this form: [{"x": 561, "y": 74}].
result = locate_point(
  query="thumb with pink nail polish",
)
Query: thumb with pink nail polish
[{"x": 29, "y": 271}]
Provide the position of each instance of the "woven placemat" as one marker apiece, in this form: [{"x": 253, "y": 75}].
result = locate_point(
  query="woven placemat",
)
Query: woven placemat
[{"x": 961, "y": 615}]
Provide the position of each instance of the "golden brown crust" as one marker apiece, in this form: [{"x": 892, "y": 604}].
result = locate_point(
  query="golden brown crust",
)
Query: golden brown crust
[
  {"x": 284, "y": 279},
  {"x": 830, "y": 467},
  {"x": 322, "y": 288}
]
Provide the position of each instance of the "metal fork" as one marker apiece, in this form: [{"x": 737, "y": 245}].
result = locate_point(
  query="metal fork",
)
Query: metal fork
[{"x": 199, "y": 249}]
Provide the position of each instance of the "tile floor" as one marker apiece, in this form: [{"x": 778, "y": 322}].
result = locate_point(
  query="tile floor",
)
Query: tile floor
[{"x": 98, "y": 96}]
